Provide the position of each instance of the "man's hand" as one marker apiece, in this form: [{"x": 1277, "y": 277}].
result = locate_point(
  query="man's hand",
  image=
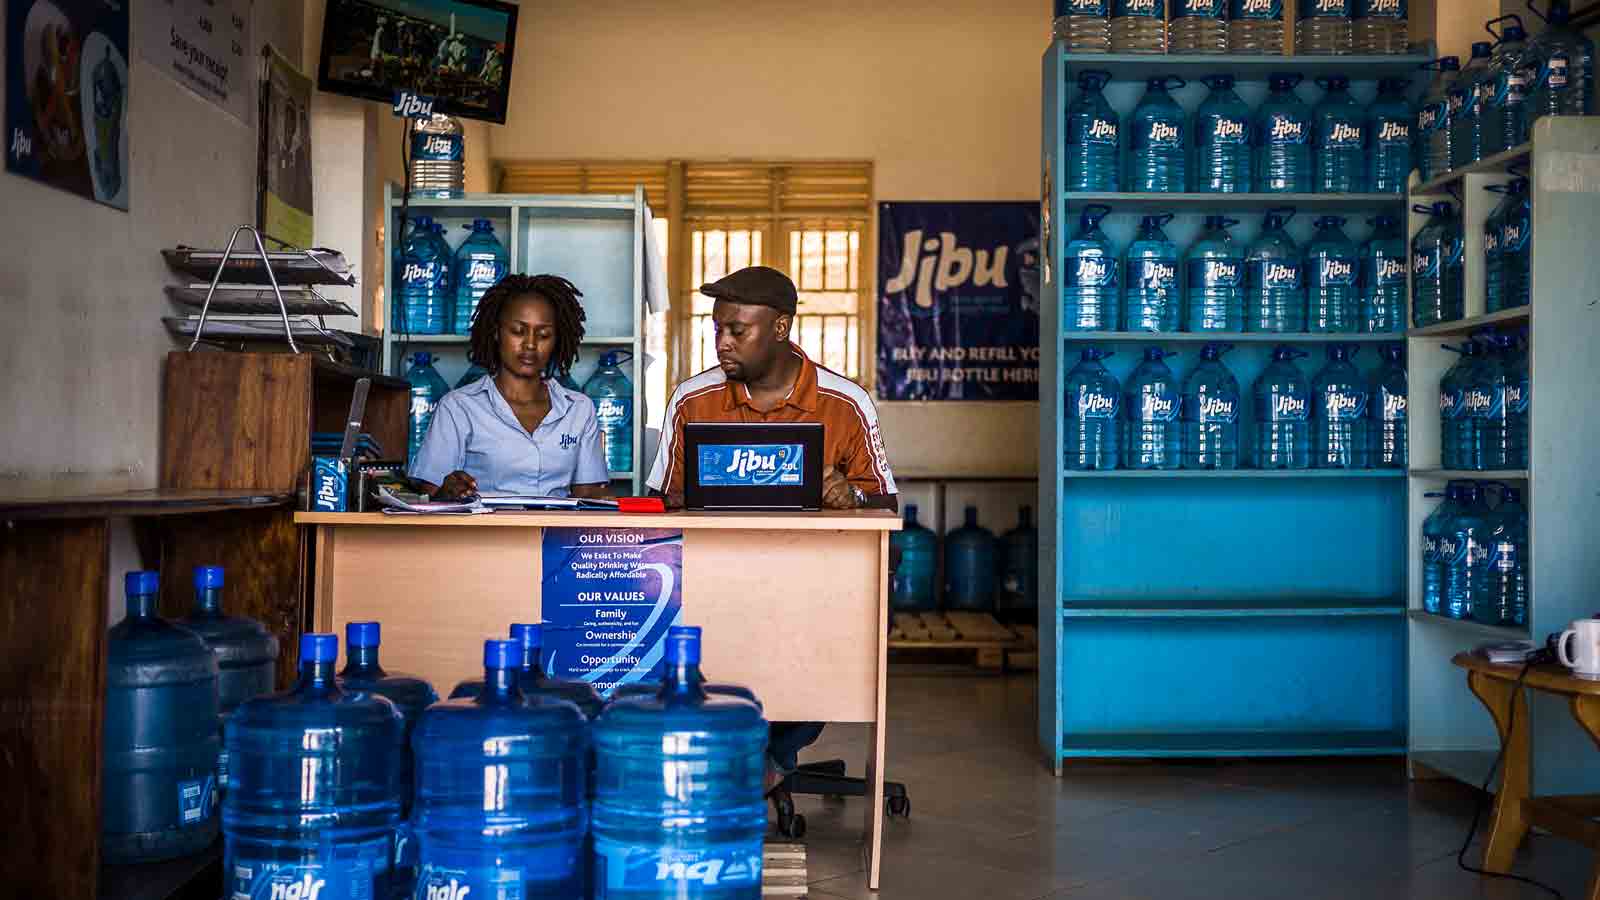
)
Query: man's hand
[
  {"x": 836, "y": 493},
  {"x": 456, "y": 485}
]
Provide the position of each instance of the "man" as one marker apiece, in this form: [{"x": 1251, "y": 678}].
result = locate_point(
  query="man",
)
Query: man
[{"x": 761, "y": 377}]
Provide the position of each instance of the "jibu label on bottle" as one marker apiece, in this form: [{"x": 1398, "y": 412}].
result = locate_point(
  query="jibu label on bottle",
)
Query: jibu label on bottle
[
  {"x": 1426, "y": 265},
  {"x": 1204, "y": 9},
  {"x": 1394, "y": 132},
  {"x": 1514, "y": 235},
  {"x": 1158, "y": 408},
  {"x": 1345, "y": 406},
  {"x": 1081, "y": 8},
  {"x": 436, "y": 147},
  {"x": 1289, "y": 408},
  {"x": 1336, "y": 271},
  {"x": 1274, "y": 273},
  {"x": 1270, "y": 10},
  {"x": 1450, "y": 404},
  {"x": 1100, "y": 131},
  {"x": 1392, "y": 405},
  {"x": 1380, "y": 9},
  {"x": 350, "y": 875},
  {"x": 1155, "y": 274},
  {"x": 1324, "y": 9},
  {"x": 1342, "y": 133},
  {"x": 1091, "y": 271},
  {"x": 1095, "y": 405},
  {"x": 1148, "y": 9},
  {"x": 1215, "y": 273},
  {"x": 1391, "y": 270},
  {"x": 1433, "y": 117},
  {"x": 751, "y": 465},
  {"x": 622, "y": 867},
  {"x": 1163, "y": 133},
  {"x": 1286, "y": 130},
  {"x": 1218, "y": 409}
]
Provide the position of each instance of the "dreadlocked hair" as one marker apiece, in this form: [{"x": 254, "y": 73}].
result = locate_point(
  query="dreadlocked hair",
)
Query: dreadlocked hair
[{"x": 483, "y": 346}]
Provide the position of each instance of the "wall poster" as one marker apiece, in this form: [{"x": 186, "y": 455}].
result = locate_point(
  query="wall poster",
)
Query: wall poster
[
  {"x": 205, "y": 46},
  {"x": 284, "y": 204}
]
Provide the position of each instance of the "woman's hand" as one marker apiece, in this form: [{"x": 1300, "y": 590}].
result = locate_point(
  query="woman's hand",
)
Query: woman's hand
[{"x": 456, "y": 485}]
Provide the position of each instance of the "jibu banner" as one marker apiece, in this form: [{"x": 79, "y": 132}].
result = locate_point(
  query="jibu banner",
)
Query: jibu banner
[{"x": 958, "y": 301}]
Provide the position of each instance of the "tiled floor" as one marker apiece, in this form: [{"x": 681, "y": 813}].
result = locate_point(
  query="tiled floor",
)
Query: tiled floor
[{"x": 990, "y": 822}]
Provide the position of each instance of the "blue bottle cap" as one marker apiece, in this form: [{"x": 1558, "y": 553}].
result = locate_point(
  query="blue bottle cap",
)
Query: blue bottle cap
[
  {"x": 683, "y": 645},
  {"x": 362, "y": 634},
  {"x": 911, "y": 513},
  {"x": 1329, "y": 222},
  {"x": 1393, "y": 85},
  {"x": 423, "y": 358},
  {"x": 423, "y": 222},
  {"x": 482, "y": 225},
  {"x": 1284, "y": 352},
  {"x": 1093, "y": 79},
  {"x": 1334, "y": 82},
  {"x": 1383, "y": 220},
  {"x": 1284, "y": 81},
  {"x": 1393, "y": 352},
  {"x": 502, "y": 654},
  {"x": 207, "y": 577},
  {"x": 1213, "y": 351},
  {"x": 1481, "y": 49},
  {"x": 1219, "y": 82},
  {"x": 1215, "y": 221},
  {"x": 1514, "y": 33},
  {"x": 1509, "y": 494},
  {"x": 141, "y": 584},
  {"x": 1341, "y": 352},
  {"x": 528, "y": 635},
  {"x": 1277, "y": 217},
  {"x": 319, "y": 648},
  {"x": 1094, "y": 353}
]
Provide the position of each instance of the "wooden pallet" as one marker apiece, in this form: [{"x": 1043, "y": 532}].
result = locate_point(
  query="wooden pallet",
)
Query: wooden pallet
[
  {"x": 980, "y": 633},
  {"x": 783, "y": 870}
]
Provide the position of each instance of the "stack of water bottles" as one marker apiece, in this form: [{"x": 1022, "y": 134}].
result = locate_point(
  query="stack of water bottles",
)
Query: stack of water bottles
[
  {"x": 1224, "y": 285},
  {"x": 1338, "y": 146},
  {"x": 1337, "y": 419},
  {"x": 1475, "y": 558},
  {"x": 1224, "y": 26},
  {"x": 1483, "y": 404},
  {"x": 1508, "y": 247},
  {"x": 437, "y": 289}
]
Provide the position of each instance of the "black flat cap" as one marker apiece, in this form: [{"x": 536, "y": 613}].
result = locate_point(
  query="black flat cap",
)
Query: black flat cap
[{"x": 755, "y": 286}]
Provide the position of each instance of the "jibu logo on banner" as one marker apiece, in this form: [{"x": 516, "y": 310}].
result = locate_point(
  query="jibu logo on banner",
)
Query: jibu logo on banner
[{"x": 751, "y": 465}]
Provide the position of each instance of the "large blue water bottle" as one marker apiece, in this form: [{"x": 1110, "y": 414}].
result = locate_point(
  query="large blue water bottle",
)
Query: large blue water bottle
[
  {"x": 1506, "y": 593},
  {"x": 1486, "y": 404},
  {"x": 1214, "y": 279},
  {"x": 1339, "y": 437},
  {"x": 1093, "y": 127},
  {"x": 160, "y": 740},
  {"x": 1433, "y": 119},
  {"x": 612, "y": 394},
  {"x": 246, "y": 652},
  {"x": 649, "y": 688},
  {"x": 678, "y": 811},
  {"x": 1092, "y": 397},
  {"x": 1151, "y": 297},
  {"x": 1089, "y": 291},
  {"x": 1468, "y": 94},
  {"x": 410, "y": 694},
  {"x": 1514, "y": 221},
  {"x": 1156, "y": 148},
  {"x": 1210, "y": 413},
  {"x": 532, "y": 678},
  {"x": 480, "y": 262},
  {"x": 1564, "y": 82},
  {"x": 1274, "y": 283},
  {"x": 1282, "y": 134},
  {"x": 1387, "y": 402},
  {"x": 1383, "y": 277},
  {"x": 1392, "y": 153},
  {"x": 422, "y": 279},
  {"x": 1221, "y": 135},
  {"x": 1154, "y": 436},
  {"x": 1436, "y": 267},
  {"x": 1018, "y": 600},
  {"x": 1340, "y": 138},
  {"x": 1464, "y": 552},
  {"x": 1333, "y": 296},
  {"x": 427, "y": 389},
  {"x": 1511, "y": 72},
  {"x": 1519, "y": 395},
  {"x": 313, "y": 795},
  {"x": 911, "y": 589},
  {"x": 1433, "y": 531},
  {"x": 969, "y": 566},
  {"x": 502, "y": 791},
  {"x": 1282, "y": 401},
  {"x": 1454, "y": 424}
]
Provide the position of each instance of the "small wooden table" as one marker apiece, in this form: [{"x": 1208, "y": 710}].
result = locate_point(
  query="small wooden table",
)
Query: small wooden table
[{"x": 1515, "y": 811}]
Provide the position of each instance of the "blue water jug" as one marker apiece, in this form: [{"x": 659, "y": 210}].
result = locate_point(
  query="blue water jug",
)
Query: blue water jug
[
  {"x": 1383, "y": 277},
  {"x": 1089, "y": 283},
  {"x": 1274, "y": 286},
  {"x": 246, "y": 652},
  {"x": 1464, "y": 553},
  {"x": 1433, "y": 530},
  {"x": 1509, "y": 283},
  {"x": 1092, "y": 397},
  {"x": 1433, "y": 119},
  {"x": 1387, "y": 402},
  {"x": 1282, "y": 135},
  {"x": 1214, "y": 279},
  {"x": 1564, "y": 80},
  {"x": 533, "y": 680},
  {"x": 1210, "y": 413},
  {"x": 912, "y": 587},
  {"x": 1092, "y": 131},
  {"x": 1156, "y": 148},
  {"x": 969, "y": 566},
  {"x": 1282, "y": 406},
  {"x": 1454, "y": 424},
  {"x": 1494, "y": 263},
  {"x": 612, "y": 394},
  {"x": 1339, "y": 436},
  {"x": 1506, "y": 589},
  {"x": 1468, "y": 94},
  {"x": 1519, "y": 395},
  {"x": 714, "y": 688},
  {"x": 1018, "y": 603},
  {"x": 1153, "y": 436},
  {"x": 1340, "y": 139},
  {"x": 160, "y": 735},
  {"x": 678, "y": 810},
  {"x": 1511, "y": 73},
  {"x": 1487, "y": 387},
  {"x": 410, "y": 694},
  {"x": 1333, "y": 296},
  {"x": 313, "y": 797},
  {"x": 427, "y": 389},
  {"x": 1392, "y": 153},
  {"x": 1221, "y": 135},
  {"x": 1150, "y": 279},
  {"x": 422, "y": 280},
  {"x": 502, "y": 791},
  {"x": 480, "y": 262},
  {"x": 1436, "y": 267}
]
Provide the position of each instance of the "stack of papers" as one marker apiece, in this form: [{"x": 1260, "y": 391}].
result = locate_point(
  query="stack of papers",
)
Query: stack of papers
[
  {"x": 533, "y": 501},
  {"x": 394, "y": 501},
  {"x": 1507, "y": 653}
]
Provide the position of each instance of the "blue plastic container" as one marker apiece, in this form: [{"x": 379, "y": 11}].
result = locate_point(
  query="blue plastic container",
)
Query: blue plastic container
[
  {"x": 1486, "y": 404},
  {"x": 1433, "y": 119},
  {"x": 1282, "y": 135},
  {"x": 1214, "y": 279},
  {"x": 1018, "y": 603},
  {"x": 533, "y": 681},
  {"x": 1153, "y": 437},
  {"x": 1564, "y": 82},
  {"x": 1509, "y": 271},
  {"x": 1089, "y": 283},
  {"x": 246, "y": 652},
  {"x": 480, "y": 262},
  {"x": 1156, "y": 146},
  {"x": 1333, "y": 293},
  {"x": 160, "y": 736},
  {"x": 612, "y": 394},
  {"x": 1340, "y": 136},
  {"x": 1468, "y": 94},
  {"x": 969, "y": 566},
  {"x": 422, "y": 281},
  {"x": 502, "y": 791},
  {"x": 410, "y": 694},
  {"x": 1274, "y": 278},
  {"x": 1464, "y": 553},
  {"x": 1387, "y": 408},
  {"x": 1455, "y": 426},
  {"x": 1339, "y": 437},
  {"x": 1221, "y": 136},
  {"x": 313, "y": 796},
  {"x": 1433, "y": 529},
  {"x": 1210, "y": 413},
  {"x": 1092, "y": 421},
  {"x": 1436, "y": 267},
  {"x": 1389, "y": 124},
  {"x": 1511, "y": 73},
  {"x": 714, "y": 688},
  {"x": 427, "y": 389},
  {"x": 1383, "y": 277},
  {"x": 911, "y": 589},
  {"x": 1519, "y": 394},
  {"x": 1151, "y": 297},
  {"x": 1093, "y": 128},
  {"x": 678, "y": 810},
  {"x": 1282, "y": 401},
  {"x": 1506, "y": 582}
]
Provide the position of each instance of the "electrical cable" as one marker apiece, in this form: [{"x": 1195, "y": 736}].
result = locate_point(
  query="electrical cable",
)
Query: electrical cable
[{"x": 404, "y": 325}]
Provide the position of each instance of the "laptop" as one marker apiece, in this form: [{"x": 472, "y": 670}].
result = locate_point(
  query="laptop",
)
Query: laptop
[{"x": 757, "y": 465}]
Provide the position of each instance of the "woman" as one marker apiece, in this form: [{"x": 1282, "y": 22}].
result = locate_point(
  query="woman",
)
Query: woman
[{"x": 518, "y": 430}]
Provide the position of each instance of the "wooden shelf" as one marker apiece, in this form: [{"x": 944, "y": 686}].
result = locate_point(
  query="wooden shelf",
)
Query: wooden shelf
[
  {"x": 1499, "y": 162},
  {"x": 1267, "y": 474},
  {"x": 1243, "y": 67},
  {"x": 1208, "y": 204},
  {"x": 136, "y": 504},
  {"x": 1466, "y": 626},
  {"x": 1519, "y": 315},
  {"x": 1233, "y": 743},
  {"x": 1232, "y": 608},
  {"x": 1226, "y": 337}
]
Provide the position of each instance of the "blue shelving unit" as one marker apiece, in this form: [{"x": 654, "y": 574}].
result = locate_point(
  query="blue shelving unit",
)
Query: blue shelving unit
[{"x": 1201, "y": 613}]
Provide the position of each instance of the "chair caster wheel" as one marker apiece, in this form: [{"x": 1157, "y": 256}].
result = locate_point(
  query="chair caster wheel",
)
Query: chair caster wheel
[
  {"x": 794, "y": 828},
  {"x": 900, "y": 806}
]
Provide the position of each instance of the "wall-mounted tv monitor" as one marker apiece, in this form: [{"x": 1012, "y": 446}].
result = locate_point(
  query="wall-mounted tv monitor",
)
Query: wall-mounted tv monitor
[{"x": 458, "y": 52}]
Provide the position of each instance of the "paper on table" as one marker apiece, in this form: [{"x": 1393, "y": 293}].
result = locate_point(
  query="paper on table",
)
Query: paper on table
[
  {"x": 393, "y": 503},
  {"x": 534, "y": 501}
]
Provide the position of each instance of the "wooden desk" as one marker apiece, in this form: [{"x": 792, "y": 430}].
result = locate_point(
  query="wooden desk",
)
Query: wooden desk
[
  {"x": 1515, "y": 811},
  {"x": 795, "y": 605}
]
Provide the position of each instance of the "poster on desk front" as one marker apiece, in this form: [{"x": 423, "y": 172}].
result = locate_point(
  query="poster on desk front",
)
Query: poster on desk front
[
  {"x": 609, "y": 596},
  {"x": 958, "y": 301},
  {"x": 66, "y": 65}
]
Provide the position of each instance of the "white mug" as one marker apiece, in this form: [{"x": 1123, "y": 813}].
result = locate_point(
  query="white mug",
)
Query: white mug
[{"x": 1584, "y": 661}]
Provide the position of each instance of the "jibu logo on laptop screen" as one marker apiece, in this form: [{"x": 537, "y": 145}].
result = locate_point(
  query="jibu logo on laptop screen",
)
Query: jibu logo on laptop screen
[{"x": 750, "y": 465}]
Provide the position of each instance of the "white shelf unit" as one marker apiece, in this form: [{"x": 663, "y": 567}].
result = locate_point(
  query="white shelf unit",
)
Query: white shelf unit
[
  {"x": 594, "y": 240},
  {"x": 1450, "y": 731}
]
